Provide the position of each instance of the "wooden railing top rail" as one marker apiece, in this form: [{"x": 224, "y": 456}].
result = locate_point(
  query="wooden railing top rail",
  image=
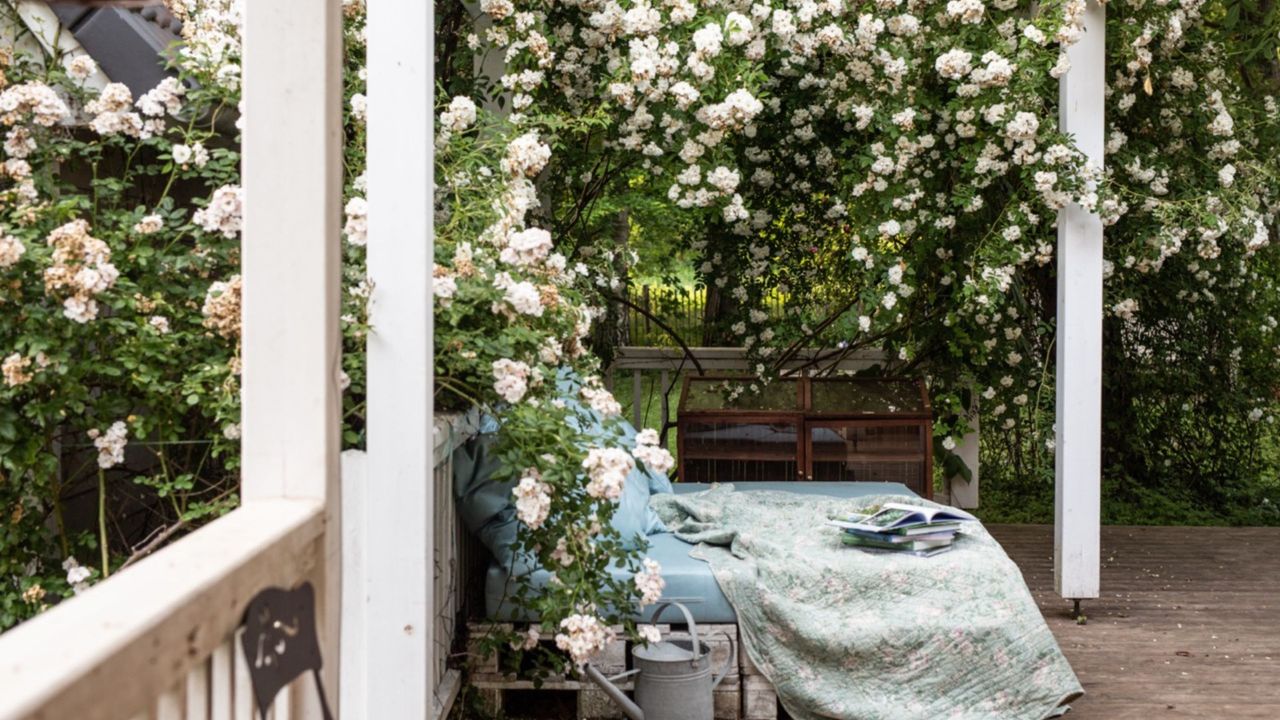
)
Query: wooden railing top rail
[
  {"x": 451, "y": 430},
  {"x": 106, "y": 654}
]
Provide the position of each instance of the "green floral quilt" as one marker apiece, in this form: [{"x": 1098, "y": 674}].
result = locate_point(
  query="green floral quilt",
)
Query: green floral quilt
[{"x": 844, "y": 633}]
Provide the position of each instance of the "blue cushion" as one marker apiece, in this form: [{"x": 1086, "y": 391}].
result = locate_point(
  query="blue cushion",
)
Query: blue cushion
[
  {"x": 488, "y": 508},
  {"x": 484, "y": 504},
  {"x": 633, "y": 517},
  {"x": 688, "y": 580}
]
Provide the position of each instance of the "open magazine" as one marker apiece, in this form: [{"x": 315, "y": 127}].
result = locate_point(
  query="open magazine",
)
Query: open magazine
[{"x": 897, "y": 519}]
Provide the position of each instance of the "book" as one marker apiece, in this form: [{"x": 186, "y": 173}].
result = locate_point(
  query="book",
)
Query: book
[
  {"x": 945, "y": 534},
  {"x": 908, "y": 546},
  {"x": 917, "y": 553},
  {"x": 898, "y": 519},
  {"x": 931, "y": 529}
]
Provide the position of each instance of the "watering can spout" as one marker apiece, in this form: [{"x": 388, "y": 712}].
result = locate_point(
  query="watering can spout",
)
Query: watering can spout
[{"x": 615, "y": 693}]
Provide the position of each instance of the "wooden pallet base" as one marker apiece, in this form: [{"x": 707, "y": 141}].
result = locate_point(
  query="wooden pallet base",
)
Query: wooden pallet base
[
  {"x": 584, "y": 703},
  {"x": 759, "y": 701},
  {"x": 744, "y": 694},
  {"x": 588, "y": 702}
]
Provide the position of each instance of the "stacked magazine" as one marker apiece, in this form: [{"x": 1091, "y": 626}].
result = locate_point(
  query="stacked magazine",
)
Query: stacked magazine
[{"x": 907, "y": 529}]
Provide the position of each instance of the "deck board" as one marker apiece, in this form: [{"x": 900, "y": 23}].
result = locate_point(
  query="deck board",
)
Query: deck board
[{"x": 1188, "y": 625}]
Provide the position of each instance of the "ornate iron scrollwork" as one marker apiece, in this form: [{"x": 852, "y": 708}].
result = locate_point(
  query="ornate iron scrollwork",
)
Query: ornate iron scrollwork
[{"x": 280, "y": 643}]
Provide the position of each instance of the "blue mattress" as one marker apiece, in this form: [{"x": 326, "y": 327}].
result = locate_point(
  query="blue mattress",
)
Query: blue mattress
[{"x": 688, "y": 580}]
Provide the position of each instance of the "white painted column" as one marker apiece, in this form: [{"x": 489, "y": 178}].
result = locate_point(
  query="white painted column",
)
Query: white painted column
[
  {"x": 292, "y": 174},
  {"x": 292, "y": 181},
  {"x": 964, "y": 493},
  {"x": 399, "y": 552},
  {"x": 1078, "y": 458}
]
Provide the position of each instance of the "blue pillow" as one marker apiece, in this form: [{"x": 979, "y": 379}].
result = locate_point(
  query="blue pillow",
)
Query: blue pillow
[
  {"x": 487, "y": 507},
  {"x": 633, "y": 515},
  {"x": 484, "y": 504}
]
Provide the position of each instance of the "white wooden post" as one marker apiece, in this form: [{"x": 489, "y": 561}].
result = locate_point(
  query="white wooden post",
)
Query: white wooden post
[
  {"x": 1078, "y": 454},
  {"x": 964, "y": 493},
  {"x": 399, "y": 552},
  {"x": 355, "y": 485},
  {"x": 292, "y": 175}
]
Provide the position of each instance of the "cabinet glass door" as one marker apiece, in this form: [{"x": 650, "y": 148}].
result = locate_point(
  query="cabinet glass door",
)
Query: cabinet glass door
[
  {"x": 740, "y": 450},
  {"x": 869, "y": 452}
]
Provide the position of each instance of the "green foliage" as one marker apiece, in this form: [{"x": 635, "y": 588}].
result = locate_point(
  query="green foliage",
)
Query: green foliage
[
  {"x": 508, "y": 322},
  {"x": 119, "y": 307},
  {"x": 141, "y": 354}
]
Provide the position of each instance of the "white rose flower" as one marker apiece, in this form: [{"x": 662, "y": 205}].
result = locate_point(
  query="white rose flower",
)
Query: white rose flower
[
  {"x": 523, "y": 297},
  {"x": 650, "y": 583},
  {"x": 954, "y": 64},
  {"x": 510, "y": 379}
]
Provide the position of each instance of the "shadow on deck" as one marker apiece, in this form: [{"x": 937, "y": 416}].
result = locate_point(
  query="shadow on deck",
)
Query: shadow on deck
[{"x": 1188, "y": 625}]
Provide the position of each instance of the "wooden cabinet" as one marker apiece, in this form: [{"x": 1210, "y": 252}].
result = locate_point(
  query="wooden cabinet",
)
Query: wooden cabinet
[{"x": 827, "y": 429}]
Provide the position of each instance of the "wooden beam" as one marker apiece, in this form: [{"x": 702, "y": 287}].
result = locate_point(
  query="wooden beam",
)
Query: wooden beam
[
  {"x": 721, "y": 359},
  {"x": 1078, "y": 454},
  {"x": 292, "y": 352},
  {"x": 398, "y": 529}
]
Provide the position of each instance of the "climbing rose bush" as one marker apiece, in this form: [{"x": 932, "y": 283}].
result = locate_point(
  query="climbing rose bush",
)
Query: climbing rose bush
[
  {"x": 511, "y": 318},
  {"x": 904, "y": 153},
  {"x": 119, "y": 387},
  {"x": 894, "y": 170},
  {"x": 120, "y": 305}
]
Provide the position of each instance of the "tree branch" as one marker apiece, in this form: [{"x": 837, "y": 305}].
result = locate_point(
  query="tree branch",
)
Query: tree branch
[{"x": 665, "y": 328}]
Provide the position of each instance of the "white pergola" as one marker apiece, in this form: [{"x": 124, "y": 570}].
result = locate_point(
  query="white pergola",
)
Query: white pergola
[
  {"x": 159, "y": 634},
  {"x": 400, "y": 168}
]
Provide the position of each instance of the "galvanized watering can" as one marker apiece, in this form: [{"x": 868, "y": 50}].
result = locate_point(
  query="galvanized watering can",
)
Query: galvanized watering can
[{"x": 673, "y": 677}]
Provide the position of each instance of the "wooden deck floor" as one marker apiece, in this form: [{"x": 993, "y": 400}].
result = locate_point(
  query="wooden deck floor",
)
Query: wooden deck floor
[{"x": 1188, "y": 625}]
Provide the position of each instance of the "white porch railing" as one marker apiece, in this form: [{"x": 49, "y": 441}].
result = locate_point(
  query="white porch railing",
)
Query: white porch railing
[
  {"x": 667, "y": 363},
  {"x": 451, "y": 564},
  {"x": 451, "y": 556},
  {"x": 159, "y": 639}
]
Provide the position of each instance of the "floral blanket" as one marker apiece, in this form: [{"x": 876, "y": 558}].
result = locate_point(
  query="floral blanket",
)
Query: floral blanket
[{"x": 844, "y": 633}]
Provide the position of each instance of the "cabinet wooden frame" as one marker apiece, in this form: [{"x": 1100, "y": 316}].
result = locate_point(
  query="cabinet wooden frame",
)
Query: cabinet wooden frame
[{"x": 804, "y": 419}]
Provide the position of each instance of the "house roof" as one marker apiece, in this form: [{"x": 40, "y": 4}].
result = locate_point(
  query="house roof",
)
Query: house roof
[{"x": 129, "y": 44}]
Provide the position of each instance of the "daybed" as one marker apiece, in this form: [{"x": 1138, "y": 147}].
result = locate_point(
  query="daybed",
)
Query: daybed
[
  {"x": 688, "y": 579},
  {"x": 842, "y": 633}
]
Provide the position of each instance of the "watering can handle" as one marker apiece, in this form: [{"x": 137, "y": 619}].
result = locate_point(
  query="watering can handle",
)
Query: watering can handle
[
  {"x": 730, "y": 662},
  {"x": 688, "y": 618}
]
